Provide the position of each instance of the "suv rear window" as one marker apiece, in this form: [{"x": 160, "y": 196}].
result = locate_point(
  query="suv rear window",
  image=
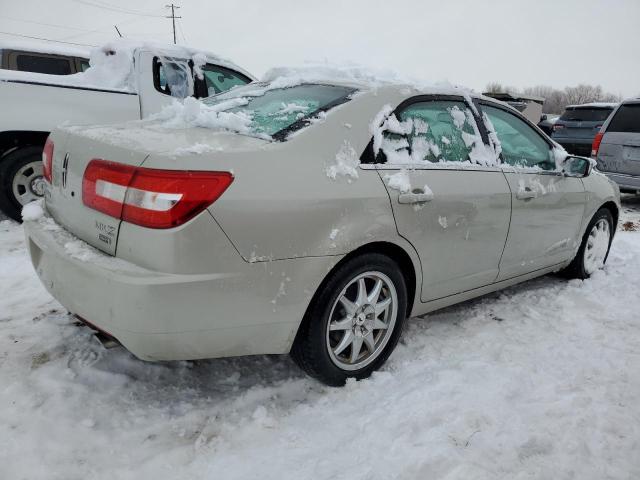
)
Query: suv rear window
[
  {"x": 626, "y": 119},
  {"x": 49, "y": 65},
  {"x": 586, "y": 114}
]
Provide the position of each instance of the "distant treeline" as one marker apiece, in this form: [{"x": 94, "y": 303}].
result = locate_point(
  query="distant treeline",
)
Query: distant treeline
[{"x": 556, "y": 100}]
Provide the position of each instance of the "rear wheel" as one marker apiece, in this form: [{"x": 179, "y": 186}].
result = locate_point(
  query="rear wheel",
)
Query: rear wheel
[
  {"x": 21, "y": 180},
  {"x": 594, "y": 248},
  {"x": 354, "y": 322}
]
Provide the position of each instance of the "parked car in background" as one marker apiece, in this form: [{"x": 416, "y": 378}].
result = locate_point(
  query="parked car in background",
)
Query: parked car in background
[
  {"x": 314, "y": 216},
  {"x": 578, "y": 125},
  {"x": 547, "y": 121},
  {"x": 528, "y": 105},
  {"x": 616, "y": 147},
  {"x": 125, "y": 82},
  {"x": 43, "y": 57}
]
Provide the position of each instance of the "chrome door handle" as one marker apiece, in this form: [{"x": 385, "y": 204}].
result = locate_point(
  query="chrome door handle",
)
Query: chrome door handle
[
  {"x": 415, "y": 197},
  {"x": 526, "y": 194}
]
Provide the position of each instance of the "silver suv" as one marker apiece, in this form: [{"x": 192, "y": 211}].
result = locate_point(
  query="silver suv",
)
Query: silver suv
[{"x": 617, "y": 146}]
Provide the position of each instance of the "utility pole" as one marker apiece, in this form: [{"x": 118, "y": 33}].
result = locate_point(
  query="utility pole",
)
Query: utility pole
[{"x": 173, "y": 18}]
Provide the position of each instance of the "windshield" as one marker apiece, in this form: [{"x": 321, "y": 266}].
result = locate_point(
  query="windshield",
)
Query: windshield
[
  {"x": 279, "y": 111},
  {"x": 586, "y": 114}
]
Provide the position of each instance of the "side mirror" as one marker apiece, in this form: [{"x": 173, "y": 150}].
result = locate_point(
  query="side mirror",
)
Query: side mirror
[{"x": 577, "y": 166}]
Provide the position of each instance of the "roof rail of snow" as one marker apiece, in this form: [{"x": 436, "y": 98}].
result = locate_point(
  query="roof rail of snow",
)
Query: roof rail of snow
[
  {"x": 355, "y": 75},
  {"x": 111, "y": 65},
  {"x": 594, "y": 105},
  {"x": 52, "y": 48}
]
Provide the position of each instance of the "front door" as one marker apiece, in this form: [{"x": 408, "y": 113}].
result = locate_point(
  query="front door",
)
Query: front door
[
  {"x": 454, "y": 212},
  {"x": 547, "y": 205}
]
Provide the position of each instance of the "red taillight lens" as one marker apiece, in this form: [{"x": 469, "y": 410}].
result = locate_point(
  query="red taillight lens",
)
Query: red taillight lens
[
  {"x": 150, "y": 197},
  {"x": 557, "y": 127},
  {"x": 597, "y": 140},
  {"x": 47, "y": 159}
]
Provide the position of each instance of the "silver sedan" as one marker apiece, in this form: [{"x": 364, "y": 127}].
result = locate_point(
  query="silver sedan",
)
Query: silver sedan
[{"x": 310, "y": 217}]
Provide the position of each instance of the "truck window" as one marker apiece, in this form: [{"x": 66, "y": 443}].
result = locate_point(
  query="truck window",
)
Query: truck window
[
  {"x": 626, "y": 119},
  {"x": 171, "y": 77},
  {"x": 43, "y": 64},
  {"x": 220, "y": 79}
]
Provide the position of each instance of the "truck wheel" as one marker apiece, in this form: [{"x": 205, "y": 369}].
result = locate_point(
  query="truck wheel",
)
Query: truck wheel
[
  {"x": 354, "y": 322},
  {"x": 21, "y": 180}
]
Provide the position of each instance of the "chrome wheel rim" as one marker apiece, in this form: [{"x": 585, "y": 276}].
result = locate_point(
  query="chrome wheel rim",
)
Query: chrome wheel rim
[
  {"x": 28, "y": 183},
  {"x": 362, "y": 320},
  {"x": 597, "y": 246}
]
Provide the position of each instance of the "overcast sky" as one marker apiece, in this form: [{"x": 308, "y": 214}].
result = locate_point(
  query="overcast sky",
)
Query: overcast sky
[{"x": 516, "y": 42}]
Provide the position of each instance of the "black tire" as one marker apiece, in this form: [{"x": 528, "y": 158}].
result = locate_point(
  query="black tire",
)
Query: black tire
[
  {"x": 310, "y": 350},
  {"x": 576, "y": 268},
  {"x": 10, "y": 164}
]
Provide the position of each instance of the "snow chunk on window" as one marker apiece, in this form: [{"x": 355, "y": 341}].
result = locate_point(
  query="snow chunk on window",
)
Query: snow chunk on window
[
  {"x": 193, "y": 113},
  {"x": 399, "y": 181},
  {"x": 346, "y": 165},
  {"x": 458, "y": 116},
  {"x": 32, "y": 211}
]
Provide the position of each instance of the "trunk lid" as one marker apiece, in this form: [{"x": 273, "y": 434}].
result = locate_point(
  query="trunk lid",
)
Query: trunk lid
[{"x": 128, "y": 144}]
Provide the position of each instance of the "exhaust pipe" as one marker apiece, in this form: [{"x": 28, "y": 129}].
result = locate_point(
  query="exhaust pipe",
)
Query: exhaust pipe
[{"x": 103, "y": 337}]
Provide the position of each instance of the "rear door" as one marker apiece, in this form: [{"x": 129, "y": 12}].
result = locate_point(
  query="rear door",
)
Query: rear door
[
  {"x": 455, "y": 214},
  {"x": 620, "y": 147},
  {"x": 547, "y": 206}
]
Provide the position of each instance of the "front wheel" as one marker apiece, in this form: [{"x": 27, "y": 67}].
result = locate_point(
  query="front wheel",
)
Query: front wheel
[
  {"x": 354, "y": 322},
  {"x": 594, "y": 248}
]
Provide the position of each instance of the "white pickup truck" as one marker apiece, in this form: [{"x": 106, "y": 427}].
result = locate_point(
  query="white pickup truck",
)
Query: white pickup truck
[{"x": 125, "y": 81}]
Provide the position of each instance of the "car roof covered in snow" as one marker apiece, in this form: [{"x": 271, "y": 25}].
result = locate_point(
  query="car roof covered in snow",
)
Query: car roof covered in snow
[{"x": 594, "y": 105}]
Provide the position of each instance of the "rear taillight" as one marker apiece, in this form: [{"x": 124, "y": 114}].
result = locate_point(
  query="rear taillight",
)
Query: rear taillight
[
  {"x": 557, "y": 127},
  {"x": 150, "y": 197},
  {"x": 597, "y": 140},
  {"x": 47, "y": 159}
]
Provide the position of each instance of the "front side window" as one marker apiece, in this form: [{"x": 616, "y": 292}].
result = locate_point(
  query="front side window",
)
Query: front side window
[
  {"x": 521, "y": 145},
  {"x": 42, "y": 64},
  {"x": 278, "y": 112},
  {"x": 431, "y": 131},
  {"x": 220, "y": 79}
]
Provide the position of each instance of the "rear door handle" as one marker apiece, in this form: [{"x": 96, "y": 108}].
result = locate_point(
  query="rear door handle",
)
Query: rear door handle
[
  {"x": 415, "y": 197},
  {"x": 526, "y": 194}
]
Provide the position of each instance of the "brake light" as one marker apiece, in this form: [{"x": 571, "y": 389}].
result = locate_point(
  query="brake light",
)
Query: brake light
[
  {"x": 47, "y": 159},
  {"x": 557, "y": 127},
  {"x": 150, "y": 197},
  {"x": 597, "y": 140}
]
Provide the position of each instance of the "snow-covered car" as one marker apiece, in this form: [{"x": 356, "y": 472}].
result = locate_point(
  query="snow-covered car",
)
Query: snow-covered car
[
  {"x": 310, "y": 215},
  {"x": 125, "y": 81}
]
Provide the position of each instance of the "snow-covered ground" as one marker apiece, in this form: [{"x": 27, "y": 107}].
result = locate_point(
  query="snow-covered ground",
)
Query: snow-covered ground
[{"x": 539, "y": 381}]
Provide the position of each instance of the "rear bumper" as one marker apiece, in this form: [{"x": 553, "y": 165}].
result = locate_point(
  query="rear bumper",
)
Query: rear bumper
[
  {"x": 625, "y": 182},
  {"x": 163, "y": 316}
]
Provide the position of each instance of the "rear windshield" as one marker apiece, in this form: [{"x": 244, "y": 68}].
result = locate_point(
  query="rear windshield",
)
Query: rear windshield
[
  {"x": 586, "y": 114},
  {"x": 626, "y": 119},
  {"x": 279, "y": 111}
]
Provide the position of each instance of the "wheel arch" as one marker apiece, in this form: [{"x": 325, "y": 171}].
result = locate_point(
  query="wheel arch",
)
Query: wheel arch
[
  {"x": 12, "y": 139},
  {"x": 615, "y": 212}
]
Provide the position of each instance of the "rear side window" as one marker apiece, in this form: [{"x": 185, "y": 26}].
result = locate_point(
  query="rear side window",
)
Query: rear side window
[
  {"x": 43, "y": 64},
  {"x": 220, "y": 79},
  {"x": 521, "y": 145},
  {"x": 586, "y": 114},
  {"x": 626, "y": 119},
  {"x": 430, "y": 131}
]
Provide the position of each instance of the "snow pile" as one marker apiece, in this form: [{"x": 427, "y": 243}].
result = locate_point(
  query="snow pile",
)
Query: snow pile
[
  {"x": 346, "y": 165},
  {"x": 193, "y": 113},
  {"x": 32, "y": 211},
  {"x": 536, "y": 381}
]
